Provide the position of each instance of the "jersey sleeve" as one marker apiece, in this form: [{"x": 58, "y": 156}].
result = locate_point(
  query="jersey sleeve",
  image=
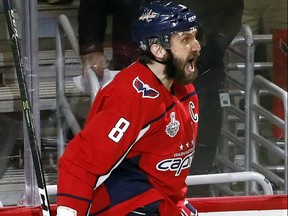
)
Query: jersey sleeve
[{"x": 113, "y": 126}]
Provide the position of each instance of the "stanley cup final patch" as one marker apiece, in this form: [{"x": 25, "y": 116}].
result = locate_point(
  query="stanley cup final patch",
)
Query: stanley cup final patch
[{"x": 173, "y": 127}]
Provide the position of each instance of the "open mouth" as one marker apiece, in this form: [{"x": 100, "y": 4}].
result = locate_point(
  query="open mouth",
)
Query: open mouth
[{"x": 190, "y": 66}]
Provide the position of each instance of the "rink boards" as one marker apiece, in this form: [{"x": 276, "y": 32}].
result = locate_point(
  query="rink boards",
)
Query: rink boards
[{"x": 274, "y": 205}]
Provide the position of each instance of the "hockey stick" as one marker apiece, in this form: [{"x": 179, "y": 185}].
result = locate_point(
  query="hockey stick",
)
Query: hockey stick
[{"x": 11, "y": 23}]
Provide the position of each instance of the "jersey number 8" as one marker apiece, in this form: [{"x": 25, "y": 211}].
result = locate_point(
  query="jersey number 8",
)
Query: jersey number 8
[{"x": 118, "y": 131}]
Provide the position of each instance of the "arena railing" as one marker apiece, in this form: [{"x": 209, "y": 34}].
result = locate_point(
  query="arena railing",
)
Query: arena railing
[
  {"x": 63, "y": 108},
  {"x": 256, "y": 139},
  {"x": 243, "y": 48}
]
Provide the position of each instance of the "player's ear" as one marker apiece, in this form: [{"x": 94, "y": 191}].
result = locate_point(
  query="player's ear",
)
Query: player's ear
[{"x": 158, "y": 51}]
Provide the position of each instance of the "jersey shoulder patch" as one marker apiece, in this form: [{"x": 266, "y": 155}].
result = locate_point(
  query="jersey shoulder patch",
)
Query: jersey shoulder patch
[{"x": 144, "y": 89}]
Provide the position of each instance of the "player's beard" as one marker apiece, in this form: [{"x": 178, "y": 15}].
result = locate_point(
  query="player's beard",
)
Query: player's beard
[{"x": 175, "y": 69}]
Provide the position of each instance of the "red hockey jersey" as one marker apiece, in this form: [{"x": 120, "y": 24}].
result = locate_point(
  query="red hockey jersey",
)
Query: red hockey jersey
[{"x": 136, "y": 147}]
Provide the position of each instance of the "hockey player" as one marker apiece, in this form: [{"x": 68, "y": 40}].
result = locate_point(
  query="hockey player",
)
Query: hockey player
[{"x": 133, "y": 155}]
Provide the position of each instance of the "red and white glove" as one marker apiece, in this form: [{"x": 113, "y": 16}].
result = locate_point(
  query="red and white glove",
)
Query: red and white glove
[
  {"x": 65, "y": 211},
  {"x": 186, "y": 209}
]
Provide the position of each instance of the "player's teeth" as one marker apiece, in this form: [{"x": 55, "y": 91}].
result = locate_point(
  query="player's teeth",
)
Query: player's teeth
[{"x": 191, "y": 66}]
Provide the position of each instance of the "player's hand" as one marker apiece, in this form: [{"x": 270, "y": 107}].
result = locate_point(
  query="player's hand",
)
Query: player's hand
[
  {"x": 186, "y": 209},
  {"x": 97, "y": 62},
  {"x": 65, "y": 211}
]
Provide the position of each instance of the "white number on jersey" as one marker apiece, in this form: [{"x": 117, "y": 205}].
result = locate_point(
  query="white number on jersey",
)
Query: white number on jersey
[{"x": 118, "y": 131}]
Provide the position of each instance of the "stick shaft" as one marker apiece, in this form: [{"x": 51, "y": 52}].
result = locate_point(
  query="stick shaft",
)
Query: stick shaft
[{"x": 11, "y": 23}]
